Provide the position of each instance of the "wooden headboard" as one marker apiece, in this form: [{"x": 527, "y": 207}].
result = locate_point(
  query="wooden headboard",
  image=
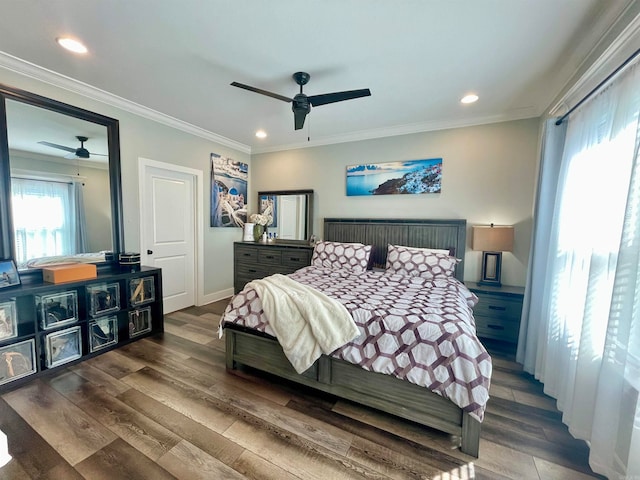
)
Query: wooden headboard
[{"x": 444, "y": 234}]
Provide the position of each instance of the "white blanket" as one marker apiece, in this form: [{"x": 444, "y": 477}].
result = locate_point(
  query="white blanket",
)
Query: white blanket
[{"x": 306, "y": 322}]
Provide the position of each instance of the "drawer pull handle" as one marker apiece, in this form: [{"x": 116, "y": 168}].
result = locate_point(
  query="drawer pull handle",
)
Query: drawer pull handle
[
  {"x": 294, "y": 259},
  {"x": 496, "y": 327},
  {"x": 493, "y": 307},
  {"x": 246, "y": 254},
  {"x": 269, "y": 256},
  {"x": 252, "y": 270}
]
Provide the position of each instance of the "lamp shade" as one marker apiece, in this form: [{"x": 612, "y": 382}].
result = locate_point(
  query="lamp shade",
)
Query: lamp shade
[{"x": 493, "y": 238}]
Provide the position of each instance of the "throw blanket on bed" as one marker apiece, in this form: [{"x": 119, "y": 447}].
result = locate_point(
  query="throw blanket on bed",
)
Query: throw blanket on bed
[
  {"x": 416, "y": 329},
  {"x": 306, "y": 322}
]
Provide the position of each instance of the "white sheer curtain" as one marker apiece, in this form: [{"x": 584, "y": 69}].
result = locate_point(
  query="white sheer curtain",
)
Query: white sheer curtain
[
  {"x": 573, "y": 335},
  {"x": 46, "y": 216}
]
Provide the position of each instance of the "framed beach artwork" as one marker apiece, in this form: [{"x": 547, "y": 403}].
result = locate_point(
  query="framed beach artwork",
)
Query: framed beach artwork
[
  {"x": 8, "y": 274},
  {"x": 228, "y": 192},
  {"x": 392, "y": 178}
]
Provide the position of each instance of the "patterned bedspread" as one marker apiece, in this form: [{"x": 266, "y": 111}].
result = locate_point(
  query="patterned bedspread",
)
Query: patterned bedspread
[{"x": 415, "y": 329}]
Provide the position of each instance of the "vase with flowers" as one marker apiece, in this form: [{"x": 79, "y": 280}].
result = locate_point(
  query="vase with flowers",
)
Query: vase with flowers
[{"x": 261, "y": 221}]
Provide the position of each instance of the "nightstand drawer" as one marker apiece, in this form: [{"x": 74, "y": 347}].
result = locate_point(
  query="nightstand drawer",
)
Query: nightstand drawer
[
  {"x": 498, "y": 307},
  {"x": 252, "y": 271},
  {"x": 497, "y": 328}
]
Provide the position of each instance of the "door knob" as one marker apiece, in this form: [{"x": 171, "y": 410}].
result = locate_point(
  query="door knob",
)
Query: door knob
[{"x": 149, "y": 252}]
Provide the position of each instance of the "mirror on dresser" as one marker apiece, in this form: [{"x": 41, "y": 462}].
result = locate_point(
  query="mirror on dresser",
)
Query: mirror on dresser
[
  {"x": 65, "y": 191},
  {"x": 291, "y": 211}
]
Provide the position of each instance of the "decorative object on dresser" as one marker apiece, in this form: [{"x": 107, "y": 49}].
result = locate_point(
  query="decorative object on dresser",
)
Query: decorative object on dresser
[
  {"x": 492, "y": 240},
  {"x": 498, "y": 311},
  {"x": 258, "y": 260},
  {"x": 399, "y": 397},
  {"x": 291, "y": 213},
  {"x": 50, "y": 325}
]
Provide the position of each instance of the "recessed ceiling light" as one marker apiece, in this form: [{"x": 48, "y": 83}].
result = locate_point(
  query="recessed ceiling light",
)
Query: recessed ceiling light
[
  {"x": 469, "y": 98},
  {"x": 71, "y": 44},
  {"x": 261, "y": 134}
]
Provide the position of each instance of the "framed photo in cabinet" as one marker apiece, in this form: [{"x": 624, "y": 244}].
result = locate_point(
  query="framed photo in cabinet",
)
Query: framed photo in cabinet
[
  {"x": 17, "y": 361},
  {"x": 139, "y": 321},
  {"x": 8, "y": 274},
  {"x": 8, "y": 321},
  {"x": 63, "y": 346},
  {"x": 103, "y": 332}
]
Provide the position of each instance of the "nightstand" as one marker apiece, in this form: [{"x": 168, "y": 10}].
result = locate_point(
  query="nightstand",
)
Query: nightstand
[{"x": 498, "y": 312}]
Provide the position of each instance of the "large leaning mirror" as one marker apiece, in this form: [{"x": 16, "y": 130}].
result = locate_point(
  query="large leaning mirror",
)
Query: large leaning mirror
[
  {"x": 62, "y": 164},
  {"x": 291, "y": 211}
]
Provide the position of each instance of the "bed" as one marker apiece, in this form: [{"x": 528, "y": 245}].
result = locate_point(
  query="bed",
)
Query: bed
[{"x": 255, "y": 346}]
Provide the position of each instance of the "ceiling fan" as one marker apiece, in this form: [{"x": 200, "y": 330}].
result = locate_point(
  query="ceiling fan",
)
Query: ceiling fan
[
  {"x": 80, "y": 152},
  {"x": 301, "y": 103}
]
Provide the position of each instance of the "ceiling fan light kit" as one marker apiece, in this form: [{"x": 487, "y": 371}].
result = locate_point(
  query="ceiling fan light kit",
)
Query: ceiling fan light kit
[{"x": 301, "y": 104}]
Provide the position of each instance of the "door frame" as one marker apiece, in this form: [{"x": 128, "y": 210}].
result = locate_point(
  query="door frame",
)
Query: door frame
[{"x": 198, "y": 257}]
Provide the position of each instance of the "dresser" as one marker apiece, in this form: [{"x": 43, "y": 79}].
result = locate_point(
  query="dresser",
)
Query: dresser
[
  {"x": 498, "y": 311},
  {"x": 253, "y": 260}
]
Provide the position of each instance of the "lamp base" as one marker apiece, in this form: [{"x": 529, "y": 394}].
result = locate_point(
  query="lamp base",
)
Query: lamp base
[{"x": 491, "y": 269}]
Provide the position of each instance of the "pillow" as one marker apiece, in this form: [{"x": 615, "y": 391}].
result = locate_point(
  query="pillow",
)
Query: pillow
[
  {"x": 420, "y": 262},
  {"x": 350, "y": 256}
]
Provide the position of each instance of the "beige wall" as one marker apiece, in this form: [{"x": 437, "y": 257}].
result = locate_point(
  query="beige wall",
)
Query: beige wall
[{"x": 488, "y": 177}]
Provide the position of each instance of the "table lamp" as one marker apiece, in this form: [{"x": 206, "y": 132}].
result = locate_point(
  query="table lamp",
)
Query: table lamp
[{"x": 492, "y": 240}]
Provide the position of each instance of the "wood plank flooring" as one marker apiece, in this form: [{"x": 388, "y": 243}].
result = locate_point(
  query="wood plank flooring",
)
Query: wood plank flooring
[{"x": 164, "y": 407}]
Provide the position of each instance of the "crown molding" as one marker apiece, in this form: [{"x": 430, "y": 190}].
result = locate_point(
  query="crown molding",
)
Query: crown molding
[
  {"x": 604, "y": 60},
  {"x": 520, "y": 114},
  {"x": 50, "y": 77}
]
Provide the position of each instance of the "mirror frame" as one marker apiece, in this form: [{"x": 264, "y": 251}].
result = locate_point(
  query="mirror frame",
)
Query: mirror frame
[
  {"x": 7, "y": 246},
  {"x": 308, "y": 211}
]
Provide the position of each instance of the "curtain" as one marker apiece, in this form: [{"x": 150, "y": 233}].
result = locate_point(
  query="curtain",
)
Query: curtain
[
  {"x": 580, "y": 315},
  {"x": 46, "y": 218},
  {"x": 80, "y": 223}
]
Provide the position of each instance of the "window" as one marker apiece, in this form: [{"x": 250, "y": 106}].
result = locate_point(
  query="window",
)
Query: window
[{"x": 43, "y": 218}]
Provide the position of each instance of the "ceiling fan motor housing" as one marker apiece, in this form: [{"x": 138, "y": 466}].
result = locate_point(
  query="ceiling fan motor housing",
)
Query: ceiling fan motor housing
[{"x": 301, "y": 103}]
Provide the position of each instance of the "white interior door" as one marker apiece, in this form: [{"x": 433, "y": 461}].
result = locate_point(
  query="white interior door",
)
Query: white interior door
[
  {"x": 168, "y": 232},
  {"x": 287, "y": 217}
]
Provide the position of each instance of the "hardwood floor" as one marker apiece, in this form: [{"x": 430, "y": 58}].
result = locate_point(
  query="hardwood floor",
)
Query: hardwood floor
[{"x": 164, "y": 407}]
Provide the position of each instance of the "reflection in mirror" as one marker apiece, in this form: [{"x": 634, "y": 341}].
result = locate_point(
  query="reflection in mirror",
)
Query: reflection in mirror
[
  {"x": 60, "y": 190},
  {"x": 291, "y": 212}
]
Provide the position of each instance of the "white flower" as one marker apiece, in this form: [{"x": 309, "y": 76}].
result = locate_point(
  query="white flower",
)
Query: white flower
[{"x": 261, "y": 219}]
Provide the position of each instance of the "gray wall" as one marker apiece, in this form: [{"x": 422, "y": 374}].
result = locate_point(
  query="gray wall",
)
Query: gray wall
[
  {"x": 488, "y": 177},
  {"x": 143, "y": 138}
]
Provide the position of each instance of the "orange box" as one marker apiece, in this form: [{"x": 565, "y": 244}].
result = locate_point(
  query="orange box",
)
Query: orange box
[{"x": 69, "y": 273}]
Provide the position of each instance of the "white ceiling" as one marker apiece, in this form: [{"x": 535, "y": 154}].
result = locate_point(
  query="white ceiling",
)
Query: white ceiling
[{"x": 418, "y": 57}]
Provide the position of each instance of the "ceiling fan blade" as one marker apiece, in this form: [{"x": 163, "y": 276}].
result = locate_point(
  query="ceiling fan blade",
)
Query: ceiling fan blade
[
  {"x": 61, "y": 147},
  {"x": 299, "y": 117},
  {"x": 262, "y": 92},
  {"x": 324, "y": 99}
]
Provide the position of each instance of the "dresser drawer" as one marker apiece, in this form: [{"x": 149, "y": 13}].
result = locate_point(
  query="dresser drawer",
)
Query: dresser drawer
[
  {"x": 498, "y": 307},
  {"x": 294, "y": 259},
  {"x": 244, "y": 253},
  {"x": 269, "y": 256}
]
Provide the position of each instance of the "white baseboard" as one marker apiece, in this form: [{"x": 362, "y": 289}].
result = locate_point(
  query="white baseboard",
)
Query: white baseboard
[{"x": 215, "y": 296}]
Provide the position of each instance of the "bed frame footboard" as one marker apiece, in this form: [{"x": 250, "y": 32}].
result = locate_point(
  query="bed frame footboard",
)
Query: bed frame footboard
[{"x": 351, "y": 382}]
